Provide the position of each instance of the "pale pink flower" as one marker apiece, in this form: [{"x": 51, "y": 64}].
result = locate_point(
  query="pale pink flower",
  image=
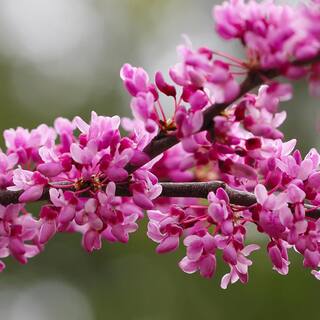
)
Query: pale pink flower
[{"x": 32, "y": 183}]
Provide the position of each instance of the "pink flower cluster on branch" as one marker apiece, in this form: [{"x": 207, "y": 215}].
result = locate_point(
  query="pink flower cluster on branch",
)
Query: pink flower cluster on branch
[{"x": 231, "y": 152}]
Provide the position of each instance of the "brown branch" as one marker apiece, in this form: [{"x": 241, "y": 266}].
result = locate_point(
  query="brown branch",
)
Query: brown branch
[
  {"x": 164, "y": 141},
  {"x": 202, "y": 189},
  {"x": 171, "y": 190}
]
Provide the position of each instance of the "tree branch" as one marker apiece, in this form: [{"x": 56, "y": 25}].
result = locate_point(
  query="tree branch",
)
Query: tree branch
[
  {"x": 164, "y": 141},
  {"x": 170, "y": 190}
]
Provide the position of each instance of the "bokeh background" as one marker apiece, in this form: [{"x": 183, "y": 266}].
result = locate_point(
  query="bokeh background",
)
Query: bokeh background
[{"x": 62, "y": 58}]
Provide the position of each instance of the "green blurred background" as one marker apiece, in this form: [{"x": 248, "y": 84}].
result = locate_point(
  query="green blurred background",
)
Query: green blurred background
[{"x": 62, "y": 58}]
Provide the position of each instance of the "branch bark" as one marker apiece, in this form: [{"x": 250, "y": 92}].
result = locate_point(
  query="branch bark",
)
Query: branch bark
[{"x": 171, "y": 190}]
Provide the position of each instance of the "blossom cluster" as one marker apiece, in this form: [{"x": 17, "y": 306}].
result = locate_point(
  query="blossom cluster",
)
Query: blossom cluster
[
  {"x": 248, "y": 153},
  {"x": 275, "y": 36},
  {"x": 75, "y": 165},
  {"x": 96, "y": 182}
]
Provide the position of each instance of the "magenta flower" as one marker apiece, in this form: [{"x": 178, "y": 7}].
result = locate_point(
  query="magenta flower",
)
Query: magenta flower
[
  {"x": 32, "y": 183},
  {"x": 200, "y": 255},
  {"x": 135, "y": 79},
  {"x": 16, "y": 232},
  {"x": 52, "y": 165},
  {"x": 188, "y": 122},
  {"x": 144, "y": 94},
  {"x": 143, "y": 109},
  {"x": 165, "y": 229},
  {"x": 145, "y": 189},
  {"x": 67, "y": 201},
  {"x": 271, "y": 32},
  {"x": 48, "y": 222},
  {"x": 279, "y": 257},
  {"x": 239, "y": 267},
  {"x": 120, "y": 218},
  {"x": 25, "y": 144},
  {"x": 7, "y": 164}
]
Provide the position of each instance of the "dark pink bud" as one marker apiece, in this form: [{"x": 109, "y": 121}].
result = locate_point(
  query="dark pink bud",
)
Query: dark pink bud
[
  {"x": 105, "y": 162},
  {"x": 225, "y": 166},
  {"x": 253, "y": 143},
  {"x": 224, "y": 149},
  {"x": 163, "y": 86},
  {"x": 176, "y": 211}
]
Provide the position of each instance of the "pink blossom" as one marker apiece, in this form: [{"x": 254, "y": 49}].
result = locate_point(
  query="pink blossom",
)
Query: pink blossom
[
  {"x": 16, "y": 232},
  {"x": 48, "y": 221},
  {"x": 135, "y": 79},
  {"x": 188, "y": 122},
  {"x": 145, "y": 189},
  {"x": 32, "y": 183},
  {"x": 239, "y": 267},
  {"x": 200, "y": 255},
  {"x": 165, "y": 229},
  {"x": 279, "y": 257},
  {"x": 67, "y": 201},
  {"x": 270, "y": 32}
]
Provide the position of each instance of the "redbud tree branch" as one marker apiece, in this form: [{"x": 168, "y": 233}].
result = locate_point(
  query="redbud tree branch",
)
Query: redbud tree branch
[
  {"x": 164, "y": 141},
  {"x": 255, "y": 77},
  {"x": 172, "y": 190}
]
